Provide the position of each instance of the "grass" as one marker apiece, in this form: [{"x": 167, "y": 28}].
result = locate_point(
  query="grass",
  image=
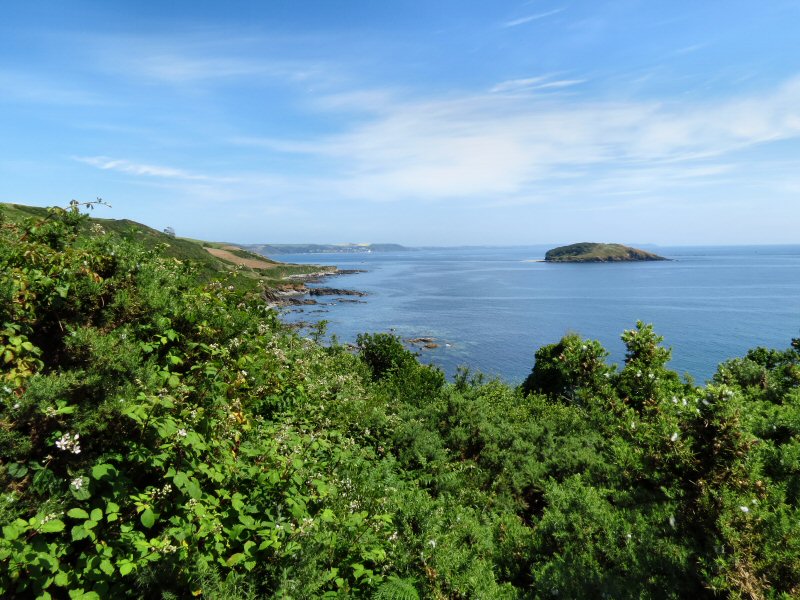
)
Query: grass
[
  {"x": 184, "y": 249},
  {"x": 595, "y": 252}
]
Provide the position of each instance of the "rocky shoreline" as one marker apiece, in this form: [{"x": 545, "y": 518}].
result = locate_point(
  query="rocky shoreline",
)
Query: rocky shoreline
[{"x": 297, "y": 292}]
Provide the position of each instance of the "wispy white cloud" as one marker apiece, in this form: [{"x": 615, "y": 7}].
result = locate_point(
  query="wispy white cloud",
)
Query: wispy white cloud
[
  {"x": 506, "y": 146},
  {"x": 133, "y": 168},
  {"x": 562, "y": 83},
  {"x": 197, "y": 57},
  {"x": 691, "y": 49},
  {"x": 273, "y": 193},
  {"x": 533, "y": 83},
  {"x": 530, "y": 18},
  {"x": 44, "y": 89},
  {"x": 175, "y": 68}
]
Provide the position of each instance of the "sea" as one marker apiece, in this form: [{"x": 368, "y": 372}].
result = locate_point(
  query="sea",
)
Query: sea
[{"x": 491, "y": 308}]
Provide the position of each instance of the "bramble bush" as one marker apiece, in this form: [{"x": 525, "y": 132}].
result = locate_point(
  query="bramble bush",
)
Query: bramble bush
[{"x": 166, "y": 436}]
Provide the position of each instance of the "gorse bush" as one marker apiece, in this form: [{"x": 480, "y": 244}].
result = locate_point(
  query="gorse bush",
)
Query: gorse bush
[{"x": 166, "y": 437}]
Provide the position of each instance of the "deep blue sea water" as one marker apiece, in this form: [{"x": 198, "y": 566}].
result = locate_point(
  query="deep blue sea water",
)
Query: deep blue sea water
[{"x": 491, "y": 308}]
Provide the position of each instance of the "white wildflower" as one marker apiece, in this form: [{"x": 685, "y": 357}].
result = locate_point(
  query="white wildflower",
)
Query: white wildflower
[
  {"x": 672, "y": 521},
  {"x": 744, "y": 509},
  {"x": 432, "y": 543},
  {"x": 674, "y": 437},
  {"x": 181, "y": 433},
  {"x": 69, "y": 443},
  {"x": 77, "y": 483}
]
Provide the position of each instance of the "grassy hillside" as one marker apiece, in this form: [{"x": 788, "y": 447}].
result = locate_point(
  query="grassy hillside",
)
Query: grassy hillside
[
  {"x": 162, "y": 436},
  {"x": 595, "y": 252},
  {"x": 236, "y": 272}
]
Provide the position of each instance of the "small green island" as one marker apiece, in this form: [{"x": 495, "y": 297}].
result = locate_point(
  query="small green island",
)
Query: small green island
[{"x": 594, "y": 252}]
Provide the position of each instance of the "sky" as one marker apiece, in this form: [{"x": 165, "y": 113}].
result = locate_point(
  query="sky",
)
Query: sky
[{"x": 416, "y": 122}]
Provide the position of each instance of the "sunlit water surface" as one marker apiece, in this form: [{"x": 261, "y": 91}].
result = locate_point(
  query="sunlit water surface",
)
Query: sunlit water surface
[{"x": 491, "y": 308}]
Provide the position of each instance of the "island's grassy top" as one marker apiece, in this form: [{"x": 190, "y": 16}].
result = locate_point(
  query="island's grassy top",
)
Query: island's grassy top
[
  {"x": 596, "y": 252},
  {"x": 166, "y": 437}
]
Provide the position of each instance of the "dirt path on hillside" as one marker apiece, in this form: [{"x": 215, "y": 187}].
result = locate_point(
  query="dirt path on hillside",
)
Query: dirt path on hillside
[{"x": 228, "y": 256}]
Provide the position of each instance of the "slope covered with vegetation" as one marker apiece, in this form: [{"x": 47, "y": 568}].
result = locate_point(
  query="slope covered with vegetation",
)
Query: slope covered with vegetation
[
  {"x": 166, "y": 436},
  {"x": 207, "y": 265},
  {"x": 595, "y": 252}
]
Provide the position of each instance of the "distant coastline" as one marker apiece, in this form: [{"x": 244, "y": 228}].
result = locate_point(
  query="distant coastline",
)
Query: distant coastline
[{"x": 272, "y": 249}]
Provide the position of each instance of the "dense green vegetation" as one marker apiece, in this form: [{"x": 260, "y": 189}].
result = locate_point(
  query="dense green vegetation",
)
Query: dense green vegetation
[
  {"x": 207, "y": 267},
  {"x": 593, "y": 252},
  {"x": 166, "y": 436}
]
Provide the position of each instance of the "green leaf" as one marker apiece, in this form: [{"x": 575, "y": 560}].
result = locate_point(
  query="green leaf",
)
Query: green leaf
[
  {"x": 104, "y": 471},
  {"x": 327, "y": 515},
  {"x": 106, "y": 567},
  {"x": 148, "y": 518},
  {"x": 61, "y": 579},
  {"x": 63, "y": 408},
  {"x": 188, "y": 485},
  {"x": 11, "y": 532},
  {"x": 77, "y": 513},
  {"x": 81, "y": 494},
  {"x": 81, "y": 595},
  {"x": 97, "y": 514},
  {"x": 125, "y": 567},
  {"x": 17, "y": 470},
  {"x": 53, "y": 526},
  {"x": 79, "y": 532},
  {"x": 235, "y": 559}
]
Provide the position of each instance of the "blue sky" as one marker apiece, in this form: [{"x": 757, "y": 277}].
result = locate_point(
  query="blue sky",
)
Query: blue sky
[{"x": 418, "y": 122}]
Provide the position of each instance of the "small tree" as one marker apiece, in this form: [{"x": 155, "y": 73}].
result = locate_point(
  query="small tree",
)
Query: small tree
[{"x": 568, "y": 368}]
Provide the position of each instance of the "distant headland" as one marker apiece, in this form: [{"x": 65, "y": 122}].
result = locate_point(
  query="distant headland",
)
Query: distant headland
[
  {"x": 594, "y": 252},
  {"x": 269, "y": 249}
]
